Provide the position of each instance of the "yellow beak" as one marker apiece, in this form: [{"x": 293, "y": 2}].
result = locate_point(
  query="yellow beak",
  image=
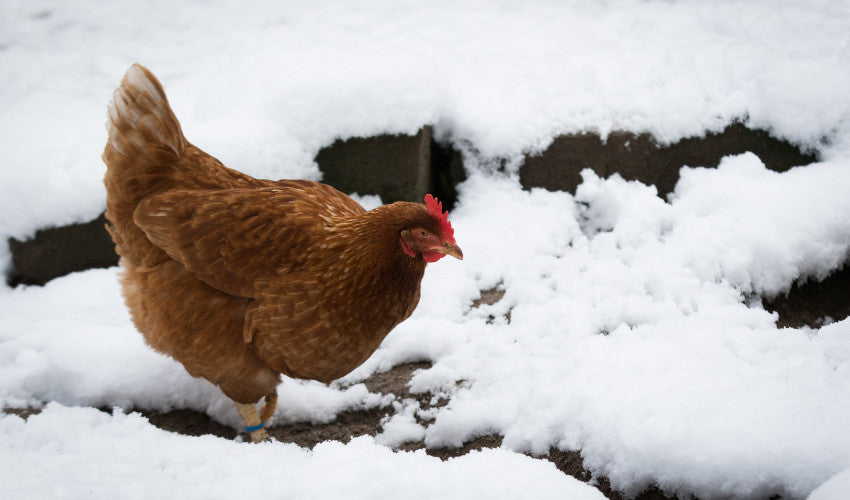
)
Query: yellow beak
[{"x": 453, "y": 250}]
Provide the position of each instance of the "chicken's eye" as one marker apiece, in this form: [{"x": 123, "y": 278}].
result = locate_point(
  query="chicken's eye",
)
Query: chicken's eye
[{"x": 422, "y": 233}]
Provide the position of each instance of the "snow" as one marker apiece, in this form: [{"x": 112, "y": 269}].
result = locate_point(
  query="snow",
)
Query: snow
[
  {"x": 630, "y": 335},
  {"x": 636, "y": 332},
  {"x": 110, "y": 456},
  {"x": 836, "y": 487}
]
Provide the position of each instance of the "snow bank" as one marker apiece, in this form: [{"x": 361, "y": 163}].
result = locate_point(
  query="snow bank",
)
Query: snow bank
[
  {"x": 123, "y": 456},
  {"x": 632, "y": 336},
  {"x": 834, "y": 489}
]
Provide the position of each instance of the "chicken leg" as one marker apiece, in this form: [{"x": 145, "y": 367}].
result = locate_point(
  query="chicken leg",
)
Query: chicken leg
[{"x": 254, "y": 420}]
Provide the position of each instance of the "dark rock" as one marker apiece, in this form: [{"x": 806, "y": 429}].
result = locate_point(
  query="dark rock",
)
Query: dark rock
[
  {"x": 811, "y": 302},
  {"x": 447, "y": 172},
  {"x": 396, "y": 167},
  {"x": 62, "y": 250},
  {"x": 640, "y": 157}
]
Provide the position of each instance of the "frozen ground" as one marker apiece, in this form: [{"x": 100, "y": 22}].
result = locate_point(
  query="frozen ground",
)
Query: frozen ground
[{"x": 635, "y": 332}]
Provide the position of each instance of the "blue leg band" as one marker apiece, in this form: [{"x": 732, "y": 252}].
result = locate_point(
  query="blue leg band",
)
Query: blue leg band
[{"x": 255, "y": 427}]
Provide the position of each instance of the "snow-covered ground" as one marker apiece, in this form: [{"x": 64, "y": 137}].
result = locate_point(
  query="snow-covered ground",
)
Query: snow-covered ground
[{"x": 634, "y": 333}]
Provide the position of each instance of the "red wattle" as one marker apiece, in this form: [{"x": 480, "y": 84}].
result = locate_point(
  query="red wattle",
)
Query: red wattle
[{"x": 432, "y": 256}]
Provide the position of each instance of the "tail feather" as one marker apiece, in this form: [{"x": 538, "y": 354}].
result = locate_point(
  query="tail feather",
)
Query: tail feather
[
  {"x": 147, "y": 153},
  {"x": 141, "y": 122},
  {"x": 143, "y": 152}
]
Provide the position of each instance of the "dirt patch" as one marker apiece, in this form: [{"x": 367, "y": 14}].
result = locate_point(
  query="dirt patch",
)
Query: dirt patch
[
  {"x": 22, "y": 412},
  {"x": 347, "y": 426},
  {"x": 395, "y": 381},
  {"x": 189, "y": 423},
  {"x": 489, "y": 297}
]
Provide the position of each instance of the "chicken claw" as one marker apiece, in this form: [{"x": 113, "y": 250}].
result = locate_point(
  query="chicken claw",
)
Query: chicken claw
[{"x": 269, "y": 407}]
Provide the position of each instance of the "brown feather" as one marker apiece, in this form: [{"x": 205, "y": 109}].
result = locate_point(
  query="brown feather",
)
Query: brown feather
[{"x": 242, "y": 279}]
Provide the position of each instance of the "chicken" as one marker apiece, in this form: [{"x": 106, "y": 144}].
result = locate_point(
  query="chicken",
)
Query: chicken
[{"x": 241, "y": 279}]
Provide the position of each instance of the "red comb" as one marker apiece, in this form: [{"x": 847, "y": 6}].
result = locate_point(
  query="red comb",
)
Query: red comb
[{"x": 435, "y": 208}]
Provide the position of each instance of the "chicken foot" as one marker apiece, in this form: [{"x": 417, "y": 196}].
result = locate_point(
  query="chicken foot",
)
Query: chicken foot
[
  {"x": 254, "y": 421},
  {"x": 269, "y": 407}
]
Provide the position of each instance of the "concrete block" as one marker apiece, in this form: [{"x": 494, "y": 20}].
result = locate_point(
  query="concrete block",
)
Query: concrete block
[
  {"x": 396, "y": 167},
  {"x": 640, "y": 157},
  {"x": 58, "y": 251}
]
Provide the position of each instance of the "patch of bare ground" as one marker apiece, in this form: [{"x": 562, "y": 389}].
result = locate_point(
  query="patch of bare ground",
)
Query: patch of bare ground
[
  {"x": 189, "y": 423},
  {"x": 489, "y": 297},
  {"x": 24, "y": 413}
]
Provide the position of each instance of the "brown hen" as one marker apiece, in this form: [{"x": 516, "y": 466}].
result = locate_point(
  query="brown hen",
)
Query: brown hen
[{"x": 241, "y": 279}]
